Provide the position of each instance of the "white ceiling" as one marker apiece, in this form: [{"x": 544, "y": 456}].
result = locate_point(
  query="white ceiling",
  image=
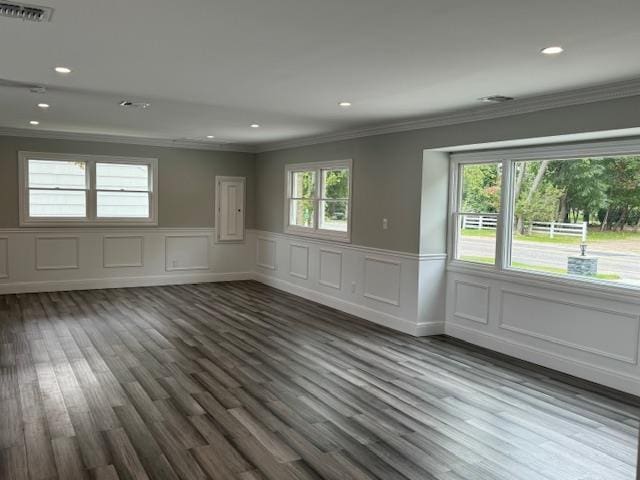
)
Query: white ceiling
[{"x": 215, "y": 66}]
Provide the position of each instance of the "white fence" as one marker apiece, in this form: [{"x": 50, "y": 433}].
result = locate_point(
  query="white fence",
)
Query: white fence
[
  {"x": 479, "y": 222},
  {"x": 558, "y": 228},
  {"x": 490, "y": 222}
]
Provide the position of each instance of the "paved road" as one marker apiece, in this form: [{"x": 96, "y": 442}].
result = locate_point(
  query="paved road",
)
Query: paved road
[{"x": 627, "y": 265}]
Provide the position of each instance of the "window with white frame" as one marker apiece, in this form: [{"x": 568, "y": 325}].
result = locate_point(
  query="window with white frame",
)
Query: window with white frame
[
  {"x": 68, "y": 189},
  {"x": 318, "y": 199},
  {"x": 571, "y": 212}
]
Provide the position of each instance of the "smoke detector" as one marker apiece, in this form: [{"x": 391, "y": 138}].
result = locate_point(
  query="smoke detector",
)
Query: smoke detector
[
  {"x": 496, "y": 99},
  {"x": 129, "y": 104},
  {"x": 21, "y": 11}
]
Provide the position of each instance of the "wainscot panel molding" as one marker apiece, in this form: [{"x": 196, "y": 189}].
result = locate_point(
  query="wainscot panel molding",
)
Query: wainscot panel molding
[
  {"x": 4, "y": 257},
  {"x": 53, "y": 259},
  {"x": 123, "y": 251},
  {"x": 299, "y": 261},
  {"x": 381, "y": 286},
  {"x": 330, "y": 268},
  {"x": 584, "y": 333},
  {"x": 471, "y": 301},
  {"x": 57, "y": 252}
]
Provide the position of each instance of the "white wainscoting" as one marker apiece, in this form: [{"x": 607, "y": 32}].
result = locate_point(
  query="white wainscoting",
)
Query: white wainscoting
[
  {"x": 581, "y": 332},
  {"x": 57, "y": 252},
  {"x": 123, "y": 251},
  {"x": 379, "y": 285},
  {"x": 4, "y": 257},
  {"x": 38, "y": 260}
]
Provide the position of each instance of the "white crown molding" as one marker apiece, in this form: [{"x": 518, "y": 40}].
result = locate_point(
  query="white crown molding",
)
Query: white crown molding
[
  {"x": 154, "y": 142},
  {"x": 565, "y": 98}
]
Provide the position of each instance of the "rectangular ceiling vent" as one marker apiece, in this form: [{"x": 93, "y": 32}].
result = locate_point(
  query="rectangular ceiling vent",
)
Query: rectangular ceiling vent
[{"x": 21, "y": 11}]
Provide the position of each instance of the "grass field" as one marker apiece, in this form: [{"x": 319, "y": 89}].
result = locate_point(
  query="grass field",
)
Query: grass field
[{"x": 536, "y": 268}]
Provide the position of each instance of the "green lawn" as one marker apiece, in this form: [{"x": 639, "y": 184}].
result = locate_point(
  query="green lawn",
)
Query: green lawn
[
  {"x": 537, "y": 268},
  {"x": 593, "y": 237}
]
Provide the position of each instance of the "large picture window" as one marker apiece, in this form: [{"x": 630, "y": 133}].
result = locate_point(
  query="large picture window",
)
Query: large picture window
[
  {"x": 572, "y": 213},
  {"x": 60, "y": 189},
  {"x": 318, "y": 199}
]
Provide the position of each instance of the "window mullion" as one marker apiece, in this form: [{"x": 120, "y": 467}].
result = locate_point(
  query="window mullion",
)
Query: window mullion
[
  {"x": 92, "y": 195},
  {"x": 317, "y": 195},
  {"x": 503, "y": 233}
]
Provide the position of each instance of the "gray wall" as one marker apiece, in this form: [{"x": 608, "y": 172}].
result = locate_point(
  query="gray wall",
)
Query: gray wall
[
  {"x": 388, "y": 171},
  {"x": 185, "y": 177}
]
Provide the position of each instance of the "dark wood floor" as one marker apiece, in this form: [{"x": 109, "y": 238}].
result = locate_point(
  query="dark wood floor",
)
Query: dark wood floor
[{"x": 240, "y": 381}]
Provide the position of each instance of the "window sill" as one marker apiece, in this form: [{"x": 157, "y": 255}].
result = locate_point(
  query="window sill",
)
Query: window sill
[{"x": 572, "y": 285}]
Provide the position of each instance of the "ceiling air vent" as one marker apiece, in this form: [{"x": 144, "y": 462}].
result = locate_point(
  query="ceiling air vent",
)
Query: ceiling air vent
[
  {"x": 496, "y": 99},
  {"x": 130, "y": 104},
  {"x": 21, "y": 11}
]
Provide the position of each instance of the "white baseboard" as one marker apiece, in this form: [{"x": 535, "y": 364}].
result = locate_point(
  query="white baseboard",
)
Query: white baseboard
[
  {"x": 588, "y": 371},
  {"x": 425, "y": 329},
  {"x": 380, "y": 318},
  {"x": 121, "y": 282}
]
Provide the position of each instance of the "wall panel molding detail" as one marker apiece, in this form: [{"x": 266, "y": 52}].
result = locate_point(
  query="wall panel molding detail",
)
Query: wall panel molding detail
[
  {"x": 266, "y": 256},
  {"x": 627, "y": 325},
  {"x": 299, "y": 261},
  {"x": 330, "y": 268},
  {"x": 587, "y": 334},
  {"x": 52, "y": 259},
  {"x": 380, "y": 286},
  {"x": 4, "y": 257},
  {"x": 382, "y": 280},
  {"x": 57, "y": 253},
  {"x": 187, "y": 252},
  {"x": 119, "y": 251},
  {"x": 477, "y": 294}
]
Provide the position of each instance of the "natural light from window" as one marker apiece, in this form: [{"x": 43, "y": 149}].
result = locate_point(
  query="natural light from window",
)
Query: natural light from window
[
  {"x": 575, "y": 218},
  {"x": 318, "y": 201}
]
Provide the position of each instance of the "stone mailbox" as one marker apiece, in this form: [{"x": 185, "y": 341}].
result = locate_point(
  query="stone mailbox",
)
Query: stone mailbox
[{"x": 583, "y": 264}]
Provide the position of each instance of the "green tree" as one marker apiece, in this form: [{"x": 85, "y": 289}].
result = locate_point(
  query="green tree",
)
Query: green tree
[
  {"x": 584, "y": 186},
  {"x": 623, "y": 192},
  {"x": 481, "y": 188}
]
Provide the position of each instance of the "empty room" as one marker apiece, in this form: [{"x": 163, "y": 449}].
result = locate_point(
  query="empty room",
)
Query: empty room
[{"x": 304, "y": 240}]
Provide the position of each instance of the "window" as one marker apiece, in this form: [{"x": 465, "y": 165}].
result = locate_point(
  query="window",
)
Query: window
[
  {"x": 570, "y": 212},
  {"x": 61, "y": 189},
  {"x": 318, "y": 199},
  {"x": 477, "y": 219}
]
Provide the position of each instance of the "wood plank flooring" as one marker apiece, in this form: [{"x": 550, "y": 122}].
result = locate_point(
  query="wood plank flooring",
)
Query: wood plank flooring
[{"x": 240, "y": 381}]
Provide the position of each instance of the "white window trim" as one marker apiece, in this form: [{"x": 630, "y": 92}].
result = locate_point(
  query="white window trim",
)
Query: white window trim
[
  {"x": 508, "y": 157},
  {"x": 318, "y": 232},
  {"x": 91, "y": 219}
]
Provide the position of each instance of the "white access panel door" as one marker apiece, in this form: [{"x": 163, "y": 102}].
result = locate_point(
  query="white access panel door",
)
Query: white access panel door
[{"x": 230, "y": 209}]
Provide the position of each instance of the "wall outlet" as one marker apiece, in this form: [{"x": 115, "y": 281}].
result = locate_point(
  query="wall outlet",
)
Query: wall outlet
[
  {"x": 174, "y": 263},
  {"x": 353, "y": 287},
  {"x": 385, "y": 224}
]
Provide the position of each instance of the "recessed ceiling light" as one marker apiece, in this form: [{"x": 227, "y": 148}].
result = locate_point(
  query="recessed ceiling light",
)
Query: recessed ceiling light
[
  {"x": 34, "y": 122},
  {"x": 344, "y": 104},
  {"x": 211, "y": 136},
  {"x": 553, "y": 50},
  {"x": 63, "y": 70},
  {"x": 255, "y": 125},
  {"x": 43, "y": 105}
]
